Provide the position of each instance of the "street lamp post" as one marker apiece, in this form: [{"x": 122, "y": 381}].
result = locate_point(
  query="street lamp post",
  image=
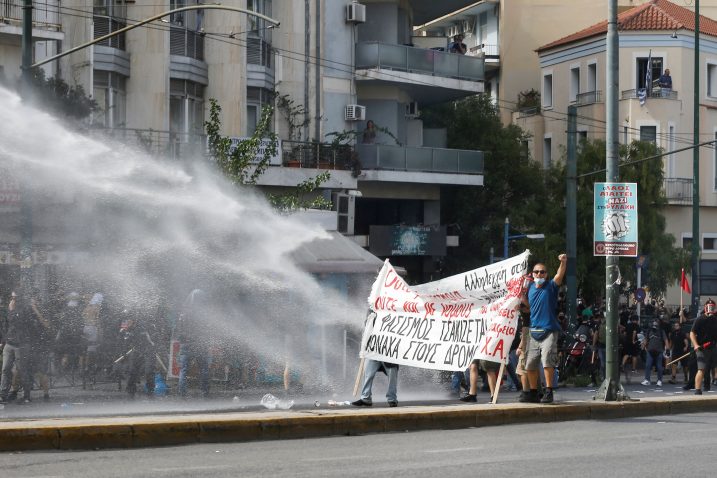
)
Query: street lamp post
[{"x": 507, "y": 237}]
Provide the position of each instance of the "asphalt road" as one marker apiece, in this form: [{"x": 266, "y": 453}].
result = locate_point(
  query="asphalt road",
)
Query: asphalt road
[{"x": 681, "y": 445}]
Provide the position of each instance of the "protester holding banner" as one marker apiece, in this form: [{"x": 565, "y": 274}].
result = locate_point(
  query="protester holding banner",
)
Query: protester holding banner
[
  {"x": 544, "y": 329},
  {"x": 371, "y": 368}
]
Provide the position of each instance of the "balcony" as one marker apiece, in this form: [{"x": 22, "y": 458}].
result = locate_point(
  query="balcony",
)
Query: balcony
[
  {"x": 434, "y": 161},
  {"x": 45, "y": 15},
  {"x": 490, "y": 51},
  {"x": 678, "y": 190},
  {"x": 588, "y": 98},
  {"x": 655, "y": 93},
  {"x": 165, "y": 144},
  {"x": 186, "y": 42},
  {"x": 431, "y": 75}
]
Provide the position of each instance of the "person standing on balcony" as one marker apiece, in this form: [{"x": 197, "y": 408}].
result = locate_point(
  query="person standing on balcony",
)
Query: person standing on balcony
[
  {"x": 665, "y": 83},
  {"x": 458, "y": 46},
  {"x": 369, "y": 134}
]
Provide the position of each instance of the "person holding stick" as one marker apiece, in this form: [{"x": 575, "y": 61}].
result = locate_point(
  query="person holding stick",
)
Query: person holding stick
[{"x": 703, "y": 337}]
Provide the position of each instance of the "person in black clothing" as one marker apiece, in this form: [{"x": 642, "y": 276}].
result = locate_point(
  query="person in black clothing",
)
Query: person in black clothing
[
  {"x": 703, "y": 337},
  {"x": 458, "y": 46},
  {"x": 679, "y": 346},
  {"x": 15, "y": 335},
  {"x": 631, "y": 345},
  {"x": 140, "y": 352}
]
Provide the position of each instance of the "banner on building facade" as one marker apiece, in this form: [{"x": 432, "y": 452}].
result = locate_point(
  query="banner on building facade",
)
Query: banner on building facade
[
  {"x": 615, "y": 221},
  {"x": 446, "y": 324}
]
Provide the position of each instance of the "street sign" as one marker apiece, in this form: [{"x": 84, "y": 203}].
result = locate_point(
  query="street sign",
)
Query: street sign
[
  {"x": 640, "y": 295},
  {"x": 615, "y": 220}
]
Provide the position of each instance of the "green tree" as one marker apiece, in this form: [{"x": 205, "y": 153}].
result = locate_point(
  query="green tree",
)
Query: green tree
[
  {"x": 238, "y": 161},
  {"x": 514, "y": 186},
  {"x": 56, "y": 96},
  {"x": 665, "y": 260}
]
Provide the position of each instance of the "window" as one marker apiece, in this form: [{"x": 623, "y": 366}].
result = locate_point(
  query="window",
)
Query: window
[
  {"x": 671, "y": 147},
  {"x": 642, "y": 71},
  {"x": 709, "y": 242},
  {"x": 482, "y": 28},
  {"x": 714, "y": 165},
  {"x": 256, "y": 99},
  {"x": 574, "y": 84},
  {"x": 711, "y": 80},
  {"x": 110, "y": 93},
  {"x": 547, "y": 152},
  {"x": 186, "y": 107},
  {"x": 592, "y": 77},
  {"x": 648, "y": 134},
  {"x": 687, "y": 240},
  {"x": 548, "y": 91}
]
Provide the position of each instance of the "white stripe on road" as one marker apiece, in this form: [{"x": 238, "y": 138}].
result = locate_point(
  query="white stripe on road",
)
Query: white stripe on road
[
  {"x": 194, "y": 468},
  {"x": 337, "y": 458},
  {"x": 450, "y": 450}
]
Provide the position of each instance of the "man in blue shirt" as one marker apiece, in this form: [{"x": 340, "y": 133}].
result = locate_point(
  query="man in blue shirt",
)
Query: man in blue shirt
[{"x": 544, "y": 329}]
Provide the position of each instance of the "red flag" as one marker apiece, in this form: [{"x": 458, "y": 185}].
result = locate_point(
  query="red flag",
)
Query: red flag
[{"x": 684, "y": 284}]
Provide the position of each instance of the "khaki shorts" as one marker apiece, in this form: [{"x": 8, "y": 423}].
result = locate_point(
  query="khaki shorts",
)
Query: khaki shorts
[
  {"x": 544, "y": 352},
  {"x": 525, "y": 339}
]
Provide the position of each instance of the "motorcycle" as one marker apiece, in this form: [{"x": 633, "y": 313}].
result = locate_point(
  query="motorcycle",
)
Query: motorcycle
[{"x": 578, "y": 357}]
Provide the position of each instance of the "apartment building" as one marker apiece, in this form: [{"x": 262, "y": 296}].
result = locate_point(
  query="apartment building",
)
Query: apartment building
[
  {"x": 658, "y": 35},
  {"x": 336, "y": 64}
]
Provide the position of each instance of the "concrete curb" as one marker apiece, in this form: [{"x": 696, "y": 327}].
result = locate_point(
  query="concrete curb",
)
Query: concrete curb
[{"x": 148, "y": 431}]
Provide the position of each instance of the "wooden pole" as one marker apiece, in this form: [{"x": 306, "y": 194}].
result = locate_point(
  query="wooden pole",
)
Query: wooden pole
[
  {"x": 358, "y": 377},
  {"x": 497, "y": 382}
]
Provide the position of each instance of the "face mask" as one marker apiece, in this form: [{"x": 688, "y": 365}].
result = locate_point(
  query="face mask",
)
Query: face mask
[{"x": 540, "y": 281}]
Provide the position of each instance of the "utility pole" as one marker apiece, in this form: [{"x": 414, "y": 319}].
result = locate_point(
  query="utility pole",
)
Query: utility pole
[
  {"x": 611, "y": 390},
  {"x": 26, "y": 279},
  {"x": 571, "y": 222},
  {"x": 695, "y": 259}
]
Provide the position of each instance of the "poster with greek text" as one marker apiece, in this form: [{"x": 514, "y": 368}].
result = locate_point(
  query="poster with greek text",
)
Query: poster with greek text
[
  {"x": 615, "y": 223},
  {"x": 446, "y": 324}
]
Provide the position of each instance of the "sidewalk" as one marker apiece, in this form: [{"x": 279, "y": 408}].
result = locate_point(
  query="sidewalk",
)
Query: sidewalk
[{"x": 163, "y": 423}]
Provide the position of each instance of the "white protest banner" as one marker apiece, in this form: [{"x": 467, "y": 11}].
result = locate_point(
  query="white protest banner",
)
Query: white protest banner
[{"x": 446, "y": 324}]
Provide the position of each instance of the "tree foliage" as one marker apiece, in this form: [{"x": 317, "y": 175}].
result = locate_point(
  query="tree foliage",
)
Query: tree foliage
[
  {"x": 514, "y": 186},
  {"x": 238, "y": 161},
  {"x": 56, "y": 96},
  {"x": 665, "y": 260}
]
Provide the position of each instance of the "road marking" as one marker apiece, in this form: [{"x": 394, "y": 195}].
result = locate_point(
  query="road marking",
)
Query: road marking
[
  {"x": 194, "y": 468},
  {"x": 450, "y": 450},
  {"x": 337, "y": 458}
]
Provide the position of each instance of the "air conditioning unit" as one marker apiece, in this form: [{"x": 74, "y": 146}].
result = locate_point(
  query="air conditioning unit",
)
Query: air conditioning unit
[
  {"x": 345, "y": 207},
  {"x": 412, "y": 109},
  {"x": 355, "y": 113},
  {"x": 355, "y": 13}
]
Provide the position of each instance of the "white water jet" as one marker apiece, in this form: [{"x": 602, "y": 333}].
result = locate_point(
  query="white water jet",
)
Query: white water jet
[{"x": 146, "y": 231}]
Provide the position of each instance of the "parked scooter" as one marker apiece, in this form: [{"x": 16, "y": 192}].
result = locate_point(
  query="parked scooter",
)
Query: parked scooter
[{"x": 577, "y": 358}]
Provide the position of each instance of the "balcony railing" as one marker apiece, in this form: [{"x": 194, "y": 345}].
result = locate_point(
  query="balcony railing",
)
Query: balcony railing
[
  {"x": 186, "y": 42},
  {"x": 299, "y": 154},
  {"x": 434, "y": 160},
  {"x": 45, "y": 14},
  {"x": 655, "y": 93},
  {"x": 106, "y": 25},
  {"x": 487, "y": 50},
  {"x": 167, "y": 144},
  {"x": 419, "y": 60},
  {"x": 588, "y": 98},
  {"x": 678, "y": 190}
]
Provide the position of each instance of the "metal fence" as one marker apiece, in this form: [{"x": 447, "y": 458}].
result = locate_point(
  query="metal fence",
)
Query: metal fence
[
  {"x": 299, "y": 154},
  {"x": 678, "y": 190},
  {"x": 45, "y": 14},
  {"x": 588, "y": 98},
  {"x": 654, "y": 93},
  {"x": 419, "y": 60},
  {"x": 167, "y": 144}
]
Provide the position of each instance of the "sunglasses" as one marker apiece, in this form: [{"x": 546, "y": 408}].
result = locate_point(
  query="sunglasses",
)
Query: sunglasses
[{"x": 539, "y": 272}]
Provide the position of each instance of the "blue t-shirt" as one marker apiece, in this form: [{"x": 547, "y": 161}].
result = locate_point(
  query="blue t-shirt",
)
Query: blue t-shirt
[{"x": 543, "y": 305}]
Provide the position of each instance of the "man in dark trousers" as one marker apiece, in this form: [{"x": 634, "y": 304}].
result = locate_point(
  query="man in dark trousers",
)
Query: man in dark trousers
[
  {"x": 140, "y": 353},
  {"x": 15, "y": 335},
  {"x": 703, "y": 337}
]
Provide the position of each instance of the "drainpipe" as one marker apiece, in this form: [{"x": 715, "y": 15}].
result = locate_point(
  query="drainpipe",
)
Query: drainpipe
[
  {"x": 317, "y": 107},
  {"x": 307, "y": 45}
]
